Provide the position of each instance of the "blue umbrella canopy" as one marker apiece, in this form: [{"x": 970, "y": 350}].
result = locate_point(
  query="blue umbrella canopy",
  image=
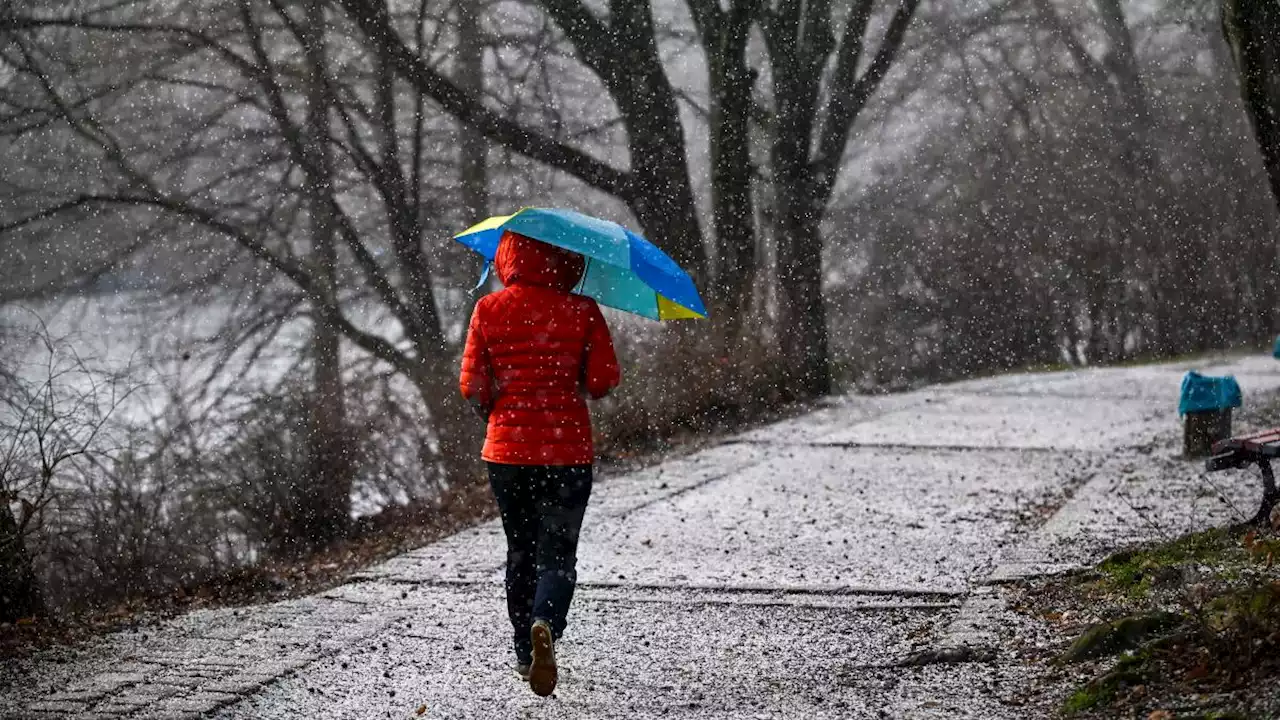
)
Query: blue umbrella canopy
[{"x": 624, "y": 271}]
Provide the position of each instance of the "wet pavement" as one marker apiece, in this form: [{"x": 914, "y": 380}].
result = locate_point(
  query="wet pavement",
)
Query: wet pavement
[{"x": 844, "y": 564}]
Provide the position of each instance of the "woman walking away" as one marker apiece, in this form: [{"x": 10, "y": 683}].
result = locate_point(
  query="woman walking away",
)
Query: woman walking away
[{"x": 533, "y": 351}]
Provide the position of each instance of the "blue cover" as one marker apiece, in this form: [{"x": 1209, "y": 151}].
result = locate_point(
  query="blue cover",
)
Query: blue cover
[
  {"x": 1201, "y": 393},
  {"x": 1275, "y": 350}
]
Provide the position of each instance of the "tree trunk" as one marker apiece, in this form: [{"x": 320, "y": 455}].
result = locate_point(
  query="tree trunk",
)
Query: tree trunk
[
  {"x": 1117, "y": 77},
  {"x": 325, "y": 508},
  {"x": 660, "y": 192},
  {"x": 431, "y": 367},
  {"x": 733, "y": 209},
  {"x": 1122, "y": 64},
  {"x": 474, "y": 151},
  {"x": 459, "y": 432},
  {"x": 799, "y": 205},
  {"x": 20, "y": 595},
  {"x": 1251, "y": 28},
  {"x": 1141, "y": 242},
  {"x": 803, "y": 317}
]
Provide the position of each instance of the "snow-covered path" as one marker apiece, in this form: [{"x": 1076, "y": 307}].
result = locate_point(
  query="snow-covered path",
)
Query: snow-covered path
[{"x": 786, "y": 573}]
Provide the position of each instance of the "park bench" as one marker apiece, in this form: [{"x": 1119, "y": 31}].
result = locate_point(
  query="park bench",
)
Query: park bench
[{"x": 1259, "y": 448}]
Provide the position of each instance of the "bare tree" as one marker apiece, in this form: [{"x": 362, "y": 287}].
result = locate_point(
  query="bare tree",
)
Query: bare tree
[
  {"x": 621, "y": 50},
  {"x": 808, "y": 151},
  {"x": 247, "y": 68},
  {"x": 52, "y": 415},
  {"x": 992, "y": 244},
  {"x": 326, "y": 507}
]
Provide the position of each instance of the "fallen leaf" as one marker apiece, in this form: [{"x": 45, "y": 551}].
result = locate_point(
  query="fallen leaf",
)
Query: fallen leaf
[
  {"x": 1197, "y": 672},
  {"x": 422, "y": 710},
  {"x": 1160, "y": 715}
]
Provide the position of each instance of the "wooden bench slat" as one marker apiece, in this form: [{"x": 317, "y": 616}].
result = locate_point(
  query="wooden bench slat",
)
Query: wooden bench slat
[
  {"x": 1266, "y": 436},
  {"x": 1264, "y": 442}
]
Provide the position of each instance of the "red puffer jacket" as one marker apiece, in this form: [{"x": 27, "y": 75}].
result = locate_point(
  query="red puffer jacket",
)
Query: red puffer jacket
[{"x": 532, "y": 351}]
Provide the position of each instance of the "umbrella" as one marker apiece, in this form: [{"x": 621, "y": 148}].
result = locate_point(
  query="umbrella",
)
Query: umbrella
[{"x": 623, "y": 270}]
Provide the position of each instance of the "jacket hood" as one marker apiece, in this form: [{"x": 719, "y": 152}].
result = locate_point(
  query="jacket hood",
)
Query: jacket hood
[{"x": 521, "y": 260}]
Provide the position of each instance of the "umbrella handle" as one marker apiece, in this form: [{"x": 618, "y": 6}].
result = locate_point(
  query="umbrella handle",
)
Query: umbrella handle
[{"x": 488, "y": 265}]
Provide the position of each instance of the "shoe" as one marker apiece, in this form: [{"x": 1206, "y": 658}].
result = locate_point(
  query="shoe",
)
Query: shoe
[
  {"x": 522, "y": 669},
  {"x": 542, "y": 672}
]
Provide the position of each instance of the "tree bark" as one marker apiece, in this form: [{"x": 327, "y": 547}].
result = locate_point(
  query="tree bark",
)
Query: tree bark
[
  {"x": 803, "y": 320},
  {"x": 791, "y": 37},
  {"x": 430, "y": 366},
  {"x": 474, "y": 150},
  {"x": 20, "y": 595},
  {"x": 326, "y": 508},
  {"x": 808, "y": 149},
  {"x": 1251, "y": 28},
  {"x": 1141, "y": 244},
  {"x": 1122, "y": 64},
  {"x": 661, "y": 192},
  {"x": 1117, "y": 78},
  {"x": 458, "y": 432},
  {"x": 724, "y": 34}
]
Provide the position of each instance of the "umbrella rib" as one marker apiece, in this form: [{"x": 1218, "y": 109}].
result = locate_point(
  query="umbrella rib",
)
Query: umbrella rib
[{"x": 582, "y": 281}]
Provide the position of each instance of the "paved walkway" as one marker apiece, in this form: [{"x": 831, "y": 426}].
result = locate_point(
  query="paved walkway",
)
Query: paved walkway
[{"x": 788, "y": 572}]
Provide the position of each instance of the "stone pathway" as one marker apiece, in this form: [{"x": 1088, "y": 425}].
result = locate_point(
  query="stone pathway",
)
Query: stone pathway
[{"x": 844, "y": 564}]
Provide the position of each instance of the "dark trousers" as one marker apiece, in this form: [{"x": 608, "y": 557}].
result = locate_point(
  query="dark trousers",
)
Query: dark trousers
[{"x": 542, "y": 508}]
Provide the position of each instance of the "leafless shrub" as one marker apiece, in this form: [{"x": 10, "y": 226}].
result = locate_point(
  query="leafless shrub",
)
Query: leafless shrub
[
  {"x": 55, "y": 426},
  {"x": 261, "y": 474},
  {"x": 682, "y": 387},
  {"x": 134, "y": 523}
]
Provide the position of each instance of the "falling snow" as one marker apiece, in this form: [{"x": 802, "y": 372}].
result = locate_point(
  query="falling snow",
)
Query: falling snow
[{"x": 954, "y": 256}]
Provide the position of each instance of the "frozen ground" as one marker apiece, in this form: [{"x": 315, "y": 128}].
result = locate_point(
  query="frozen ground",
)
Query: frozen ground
[{"x": 789, "y": 572}]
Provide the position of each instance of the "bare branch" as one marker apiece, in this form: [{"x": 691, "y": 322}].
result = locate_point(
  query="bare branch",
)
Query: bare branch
[
  {"x": 844, "y": 107},
  {"x": 372, "y": 18}
]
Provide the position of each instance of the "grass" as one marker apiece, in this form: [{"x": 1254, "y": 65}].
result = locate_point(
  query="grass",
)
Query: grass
[
  {"x": 1221, "y": 661},
  {"x": 1229, "y": 553},
  {"x": 1190, "y": 358},
  {"x": 1103, "y": 690},
  {"x": 1195, "y": 617},
  {"x": 1195, "y": 358},
  {"x": 1133, "y": 572}
]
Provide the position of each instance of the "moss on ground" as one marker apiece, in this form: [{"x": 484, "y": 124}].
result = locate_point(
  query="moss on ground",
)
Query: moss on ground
[
  {"x": 1192, "y": 618},
  {"x": 1127, "y": 633},
  {"x": 1136, "y": 572},
  {"x": 1129, "y": 672}
]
